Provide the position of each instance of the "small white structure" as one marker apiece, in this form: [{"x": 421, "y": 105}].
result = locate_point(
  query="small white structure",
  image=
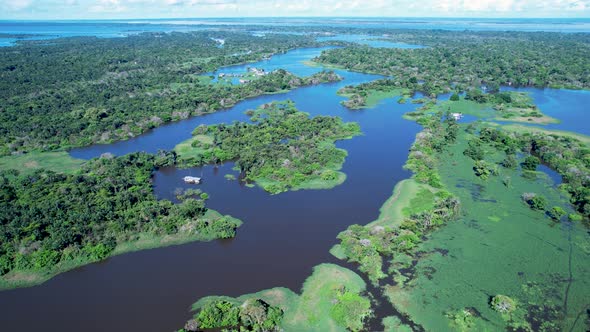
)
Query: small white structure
[
  {"x": 457, "y": 116},
  {"x": 257, "y": 71},
  {"x": 192, "y": 179}
]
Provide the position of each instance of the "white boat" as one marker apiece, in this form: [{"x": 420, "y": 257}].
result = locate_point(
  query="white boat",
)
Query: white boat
[{"x": 192, "y": 179}]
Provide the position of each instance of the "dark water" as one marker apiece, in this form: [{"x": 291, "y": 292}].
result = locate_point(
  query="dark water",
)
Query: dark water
[{"x": 282, "y": 238}]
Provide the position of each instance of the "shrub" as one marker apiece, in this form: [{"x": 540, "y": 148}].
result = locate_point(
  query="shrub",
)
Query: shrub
[
  {"x": 474, "y": 150},
  {"x": 530, "y": 163},
  {"x": 351, "y": 310},
  {"x": 556, "y": 212},
  {"x": 217, "y": 314},
  {"x": 509, "y": 162},
  {"x": 534, "y": 201},
  {"x": 484, "y": 170},
  {"x": 503, "y": 304}
]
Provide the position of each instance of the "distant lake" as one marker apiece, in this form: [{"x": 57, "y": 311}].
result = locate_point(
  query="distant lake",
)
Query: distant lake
[{"x": 122, "y": 28}]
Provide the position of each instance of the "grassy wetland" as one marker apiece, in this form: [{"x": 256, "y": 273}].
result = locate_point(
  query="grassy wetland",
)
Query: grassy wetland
[{"x": 504, "y": 247}]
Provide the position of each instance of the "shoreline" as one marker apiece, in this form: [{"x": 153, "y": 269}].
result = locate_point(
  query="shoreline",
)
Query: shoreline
[{"x": 29, "y": 278}]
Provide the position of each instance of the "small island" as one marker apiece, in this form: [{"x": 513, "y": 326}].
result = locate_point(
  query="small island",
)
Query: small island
[
  {"x": 367, "y": 95},
  {"x": 282, "y": 149}
]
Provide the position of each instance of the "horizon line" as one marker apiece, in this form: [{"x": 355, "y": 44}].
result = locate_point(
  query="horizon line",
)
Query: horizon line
[{"x": 299, "y": 17}]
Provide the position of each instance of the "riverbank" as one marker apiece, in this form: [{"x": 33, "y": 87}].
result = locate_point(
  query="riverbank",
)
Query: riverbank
[{"x": 143, "y": 241}]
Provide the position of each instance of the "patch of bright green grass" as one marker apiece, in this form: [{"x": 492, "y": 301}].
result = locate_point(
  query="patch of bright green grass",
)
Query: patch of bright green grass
[
  {"x": 375, "y": 97},
  {"x": 186, "y": 150},
  {"x": 486, "y": 111},
  {"x": 409, "y": 197},
  {"x": 393, "y": 324},
  {"x": 27, "y": 163},
  {"x": 530, "y": 129}
]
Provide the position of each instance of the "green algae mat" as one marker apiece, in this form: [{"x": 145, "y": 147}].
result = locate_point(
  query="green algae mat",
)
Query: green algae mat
[{"x": 499, "y": 246}]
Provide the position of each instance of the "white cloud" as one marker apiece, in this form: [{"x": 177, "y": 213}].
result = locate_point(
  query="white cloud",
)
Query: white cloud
[
  {"x": 231, "y": 8},
  {"x": 16, "y": 5},
  {"x": 108, "y": 6}
]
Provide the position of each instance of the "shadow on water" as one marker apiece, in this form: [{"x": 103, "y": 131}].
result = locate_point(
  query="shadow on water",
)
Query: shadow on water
[{"x": 282, "y": 238}]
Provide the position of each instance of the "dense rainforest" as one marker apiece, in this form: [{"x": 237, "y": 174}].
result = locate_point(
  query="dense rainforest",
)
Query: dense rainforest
[
  {"x": 283, "y": 149},
  {"x": 83, "y": 90},
  {"x": 473, "y": 59},
  {"x": 51, "y": 221}
]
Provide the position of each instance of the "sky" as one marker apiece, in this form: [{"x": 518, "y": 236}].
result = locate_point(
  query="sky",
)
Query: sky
[{"x": 113, "y": 9}]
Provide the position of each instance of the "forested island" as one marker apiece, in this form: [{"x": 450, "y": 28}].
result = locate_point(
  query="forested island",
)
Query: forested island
[{"x": 282, "y": 150}]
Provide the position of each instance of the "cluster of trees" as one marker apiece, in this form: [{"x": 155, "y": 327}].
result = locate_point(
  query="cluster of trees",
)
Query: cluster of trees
[
  {"x": 49, "y": 219},
  {"x": 439, "y": 131},
  {"x": 251, "y": 315},
  {"x": 461, "y": 61},
  {"x": 367, "y": 245},
  {"x": 78, "y": 91},
  {"x": 282, "y": 148},
  {"x": 566, "y": 155},
  {"x": 350, "y": 309},
  {"x": 358, "y": 94},
  {"x": 507, "y": 104}
]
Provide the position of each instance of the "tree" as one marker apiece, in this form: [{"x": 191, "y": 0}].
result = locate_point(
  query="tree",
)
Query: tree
[
  {"x": 535, "y": 202},
  {"x": 218, "y": 314},
  {"x": 509, "y": 161},
  {"x": 530, "y": 163},
  {"x": 556, "y": 212},
  {"x": 455, "y": 97},
  {"x": 474, "y": 150}
]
